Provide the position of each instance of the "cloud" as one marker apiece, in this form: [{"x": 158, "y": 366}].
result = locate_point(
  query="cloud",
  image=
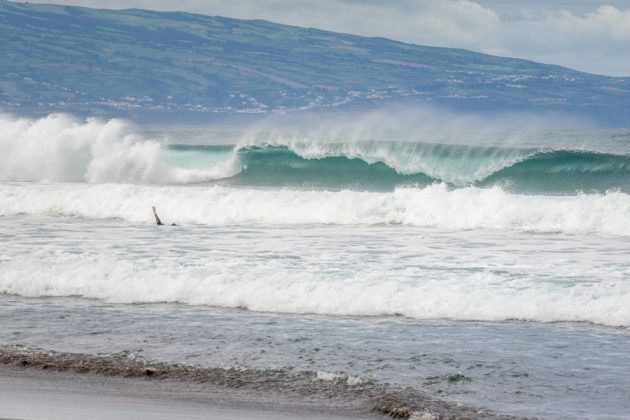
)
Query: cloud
[
  {"x": 436, "y": 22},
  {"x": 587, "y": 35},
  {"x": 606, "y": 21},
  {"x": 598, "y": 41}
]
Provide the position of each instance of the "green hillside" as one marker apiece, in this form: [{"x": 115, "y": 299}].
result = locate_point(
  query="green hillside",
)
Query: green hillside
[{"x": 145, "y": 63}]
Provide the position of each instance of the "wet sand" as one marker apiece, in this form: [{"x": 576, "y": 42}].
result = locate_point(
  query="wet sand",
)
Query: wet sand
[
  {"x": 39, "y": 384},
  {"x": 30, "y": 393}
]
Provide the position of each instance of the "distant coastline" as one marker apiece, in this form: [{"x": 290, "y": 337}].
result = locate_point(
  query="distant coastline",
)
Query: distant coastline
[{"x": 153, "y": 66}]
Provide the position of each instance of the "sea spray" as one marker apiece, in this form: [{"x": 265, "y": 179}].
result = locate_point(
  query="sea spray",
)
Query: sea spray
[{"x": 60, "y": 148}]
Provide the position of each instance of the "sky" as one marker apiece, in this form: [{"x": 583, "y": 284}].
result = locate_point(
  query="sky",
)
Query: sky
[{"x": 586, "y": 35}]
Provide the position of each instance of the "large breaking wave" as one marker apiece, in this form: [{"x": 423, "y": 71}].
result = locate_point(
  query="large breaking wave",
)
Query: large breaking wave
[
  {"x": 379, "y": 166},
  {"x": 58, "y": 148}
]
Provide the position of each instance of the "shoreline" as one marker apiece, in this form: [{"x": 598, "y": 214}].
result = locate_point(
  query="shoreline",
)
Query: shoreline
[
  {"x": 36, "y": 394},
  {"x": 81, "y": 382}
]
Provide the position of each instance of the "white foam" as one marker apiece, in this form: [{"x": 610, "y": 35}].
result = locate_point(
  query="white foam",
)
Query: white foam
[
  {"x": 274, "y": 286},
  {"x": 61, "y": 148},
  {"x": 432, "y": 206},
  {"x": 329, "y": 376},
  {"x": 334, "y": 377},
  {"x": 316, "y": 269}
]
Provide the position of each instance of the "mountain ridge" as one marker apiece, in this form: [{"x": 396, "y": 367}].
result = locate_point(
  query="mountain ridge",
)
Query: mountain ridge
[{"x": 144, "y": 64}]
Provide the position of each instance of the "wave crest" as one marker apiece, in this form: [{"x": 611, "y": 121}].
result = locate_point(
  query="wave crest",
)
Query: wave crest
[
  {"x": 60, "y": 148},
  {"x": 433, "y": 206}
]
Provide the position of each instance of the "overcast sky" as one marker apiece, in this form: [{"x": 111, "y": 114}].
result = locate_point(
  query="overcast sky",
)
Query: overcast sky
[{"x": 588, "y": 35}]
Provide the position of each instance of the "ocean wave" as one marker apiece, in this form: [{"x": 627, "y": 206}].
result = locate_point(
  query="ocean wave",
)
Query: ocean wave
[
  {"x": 409, "y": 164},
  {"x": 60, "y": 148},
  {"x": 274, "y": 286},
  {"x": 436, "y": 205}
]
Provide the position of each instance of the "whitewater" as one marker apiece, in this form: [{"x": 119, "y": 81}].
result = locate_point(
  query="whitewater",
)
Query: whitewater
[
  {"x": 385, "y": 247},
  {"x": 431, "y": 206}
]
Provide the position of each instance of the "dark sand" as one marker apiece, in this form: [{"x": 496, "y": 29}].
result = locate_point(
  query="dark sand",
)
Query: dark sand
[
  {"x": 30, "y": 393},
  {"x": 37, "y": 384}
]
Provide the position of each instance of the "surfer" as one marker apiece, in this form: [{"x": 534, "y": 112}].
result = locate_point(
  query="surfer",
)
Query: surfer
[{"x": 157, "y": 218}]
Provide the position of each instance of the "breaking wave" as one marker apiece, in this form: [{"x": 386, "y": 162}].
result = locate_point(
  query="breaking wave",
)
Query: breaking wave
[
  {"x": 59, "y": 148},
  {"x": 405, "y": 164},
  {"x": 433, "y": 206}
]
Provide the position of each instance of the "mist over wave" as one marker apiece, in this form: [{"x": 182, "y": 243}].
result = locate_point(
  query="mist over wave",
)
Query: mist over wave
[
  {"x": 433, "y": 206},
  {"x": 387, "y": 165},
  {"x": 60, "y": 148}
]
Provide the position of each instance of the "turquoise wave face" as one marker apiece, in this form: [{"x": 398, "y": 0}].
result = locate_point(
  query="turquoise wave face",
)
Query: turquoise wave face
[
  {"x": 279, "y": 166},
  {"x": 565, "y": 171},
  {"x": 382, "y": 166}
]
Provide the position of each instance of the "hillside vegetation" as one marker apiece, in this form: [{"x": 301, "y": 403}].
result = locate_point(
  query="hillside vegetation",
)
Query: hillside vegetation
[{"x": 138, "y": 62}]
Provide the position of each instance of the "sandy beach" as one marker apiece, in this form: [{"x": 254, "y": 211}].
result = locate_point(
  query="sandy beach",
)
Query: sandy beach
[
  {"x": 33, "y": 393},
  {"x": 38, "y": 384}
]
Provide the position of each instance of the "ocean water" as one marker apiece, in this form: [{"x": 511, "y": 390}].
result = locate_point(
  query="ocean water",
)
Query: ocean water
[{"x": 483, "y": 267}]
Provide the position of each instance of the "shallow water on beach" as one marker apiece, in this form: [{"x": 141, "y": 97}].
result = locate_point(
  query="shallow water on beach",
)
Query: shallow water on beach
[
  {"x": 334, "y": 285},
  {"x": 549, "y": 370}
]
